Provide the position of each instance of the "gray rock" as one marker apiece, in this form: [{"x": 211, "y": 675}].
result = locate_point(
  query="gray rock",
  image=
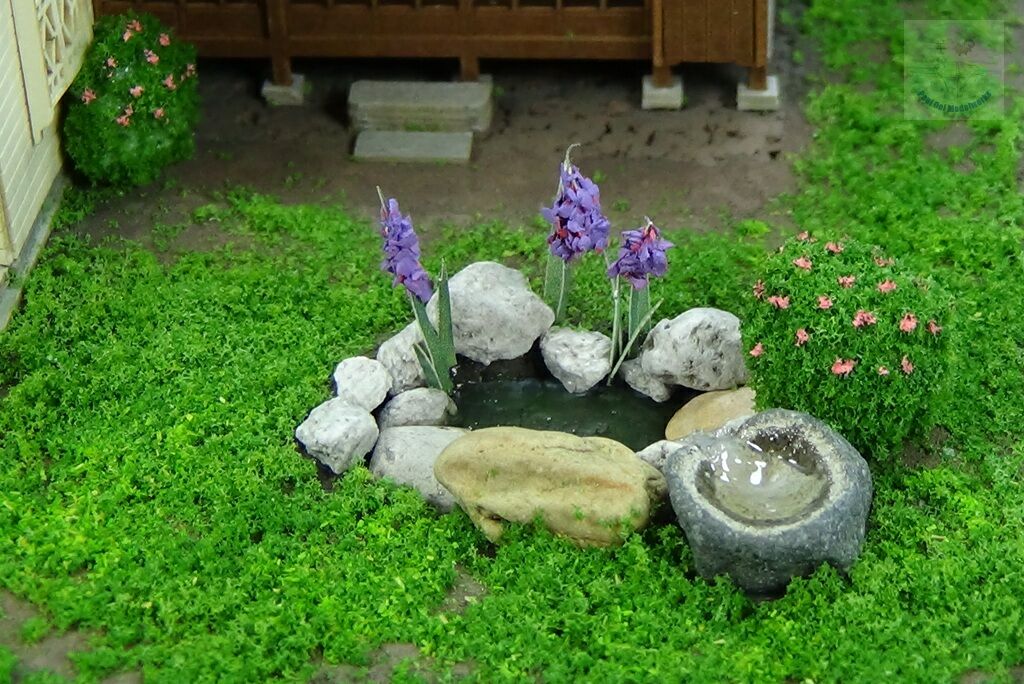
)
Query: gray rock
[
  {"x": 657, "y": 454},
  {"x": 643, "y": 382},
  {"x": 764, "y": 517},
  {"x": 420, "y": 406},
  {"x": 362, "y": 382},
  {"x": 397, "y": 356},
  {"x": 495, "y": 315},
  {"x": 699, "y": 348},
  {"x": 406, "y": 455},
  {"x": 338, "y": 434},
  {"x": 413, "y": 147},
  {"x": 579, "y": 359},
  {"x": 429, "y": 106}
]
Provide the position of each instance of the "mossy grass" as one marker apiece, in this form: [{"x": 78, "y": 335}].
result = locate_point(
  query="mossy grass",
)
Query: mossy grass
[{"x": 151, "y": 494}]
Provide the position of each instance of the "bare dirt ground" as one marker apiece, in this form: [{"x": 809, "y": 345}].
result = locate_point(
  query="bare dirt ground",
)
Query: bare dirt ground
[{"x": 698, "y": 168}]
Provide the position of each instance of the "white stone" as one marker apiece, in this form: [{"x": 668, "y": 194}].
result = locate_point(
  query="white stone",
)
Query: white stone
[
  {"x": 421, "y": 105},
  {"x": 767, "y": 100},
  {"x": 657, "y": 454},
  {"x": 413, "y": 146},
  {"x": 579, "y": 359},
  {"x": 420, "y": 406},
  {"x": 644, "y": 383},
  {"x": 293, "y": 95},
  {"x": 654, "y": 97},
  {"x": 362, "y": 382},
  {"x": 406, "y": 456},
  {"x": 495, "y": 315},
  {"x": 397, "y": 356},
  {"x": 699, "y": 349},
  {"x": 338, "y": 434}
]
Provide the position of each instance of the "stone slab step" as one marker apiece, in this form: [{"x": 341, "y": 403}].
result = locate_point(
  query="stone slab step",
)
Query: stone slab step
[
  {"x": 413, "y": 146},
  {"x": 421, "y": 105}
]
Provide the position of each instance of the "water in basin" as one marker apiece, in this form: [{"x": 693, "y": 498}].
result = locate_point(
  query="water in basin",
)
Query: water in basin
[{"x": 773, "y": 479}]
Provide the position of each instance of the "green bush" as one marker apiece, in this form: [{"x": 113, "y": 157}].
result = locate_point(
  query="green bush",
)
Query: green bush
[
  {"x": 837, "y": 330},
  {"x": 134, "y": 105}
]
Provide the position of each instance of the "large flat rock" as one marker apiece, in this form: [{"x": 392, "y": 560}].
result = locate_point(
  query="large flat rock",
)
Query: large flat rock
[
  {"x": 420, "y": 105},
  {"x": 413, "y": 146}
]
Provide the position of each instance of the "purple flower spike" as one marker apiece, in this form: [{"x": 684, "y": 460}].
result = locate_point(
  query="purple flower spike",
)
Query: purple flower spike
[
  {"x": 402, "y": 251},
  {"x": 578, "y": 226},
  {"x": 642, "y": 255}
]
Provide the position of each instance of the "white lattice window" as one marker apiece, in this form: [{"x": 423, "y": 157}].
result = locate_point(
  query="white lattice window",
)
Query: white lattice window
[
  {"x": 52, "y": 38},
  {"x": 63, "y": 24}
]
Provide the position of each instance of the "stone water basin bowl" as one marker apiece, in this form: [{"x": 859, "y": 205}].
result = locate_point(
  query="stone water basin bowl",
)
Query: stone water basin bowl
[{"x": 771, "y": 499}]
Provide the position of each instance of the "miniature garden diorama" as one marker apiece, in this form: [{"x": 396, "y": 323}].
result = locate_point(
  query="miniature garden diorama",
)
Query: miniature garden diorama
[{"x": 490, "y": 401}]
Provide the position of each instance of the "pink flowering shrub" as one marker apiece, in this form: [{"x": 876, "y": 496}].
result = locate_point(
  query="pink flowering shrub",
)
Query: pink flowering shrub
[
  {"x": 133, "y": 108},
  {"x": 858, "y": 342}
]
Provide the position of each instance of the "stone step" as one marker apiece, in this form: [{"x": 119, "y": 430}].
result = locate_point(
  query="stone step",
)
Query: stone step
[
  {"x": 413, "y": 146},
  {"x": 420, "y": 105}
]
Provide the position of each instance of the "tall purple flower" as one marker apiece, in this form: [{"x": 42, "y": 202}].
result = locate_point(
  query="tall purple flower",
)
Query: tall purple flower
[
  {"x": 402, "y": 251},
  {"x": 577, "y": 224},
  {"x": 641, "y": 255}
]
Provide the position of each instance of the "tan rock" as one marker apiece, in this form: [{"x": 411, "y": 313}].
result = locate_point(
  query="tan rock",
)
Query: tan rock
[
  {"x": 710, "y": 411},
  {"x": 590, "y": 489}
]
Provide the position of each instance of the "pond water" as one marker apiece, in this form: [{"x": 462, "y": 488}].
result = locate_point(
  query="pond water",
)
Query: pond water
[
  {"x": 769, "y": 480},
  {"x": 616, "y": 412}
]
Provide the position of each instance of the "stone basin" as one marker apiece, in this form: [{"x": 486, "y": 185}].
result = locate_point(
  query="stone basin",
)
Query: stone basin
[{"x": 769, "y": 500}]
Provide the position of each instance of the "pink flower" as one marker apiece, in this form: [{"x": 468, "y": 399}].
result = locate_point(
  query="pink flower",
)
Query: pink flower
[
  {"x": 169, "y": 82},
  {"x": 88, "y": 96},
  {"x": 757, "y": 351},
  {"x": 759, "y": 289},
  {"x": 136, "y": 91},
  {"x": 909, "y": 323},
  {"x": 908, "y": 367},
  {"x": 158, "y": 113},
  {"x": 934, "y": 328},
  {"x": 165, "y": 39},
  {"x": 847, "y": 281},
  {"x": 124, "y": 120},
  {"x": 803, "y": 236},
  {"x": 886, "y": 286},
  {"x": 802, "y": 337},
  {"x": 863, "y": 318},
  {"x": 151, "y": 57},
  {"x": 884, "y": 262},
  {"x": 882, "y": 370},
  {"x": 126, "y": 36},
  {"x": 111, "y": 62},
  {"x": 824, "y": 302},
  {"x": 134, "y": 25},
  {"x": 834, "y": 247},
  {"x": 803, "y": 262},
  {"x": 779, "y": 302},
  {"x": 843, "y": 367}
]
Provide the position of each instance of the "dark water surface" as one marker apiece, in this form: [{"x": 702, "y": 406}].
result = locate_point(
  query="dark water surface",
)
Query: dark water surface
[{"x": 616, "y": 412}]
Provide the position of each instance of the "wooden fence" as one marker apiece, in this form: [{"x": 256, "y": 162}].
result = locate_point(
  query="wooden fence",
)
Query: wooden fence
[{"x": 665, "y": 32}]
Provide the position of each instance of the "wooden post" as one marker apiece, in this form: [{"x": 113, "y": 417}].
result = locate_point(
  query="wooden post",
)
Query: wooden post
[
  {"x": 661, "y": 73},
  {"x": 469, "y": 68},
  {"x": 277, "y": 27},
  {"x": 757, "y": 77}
]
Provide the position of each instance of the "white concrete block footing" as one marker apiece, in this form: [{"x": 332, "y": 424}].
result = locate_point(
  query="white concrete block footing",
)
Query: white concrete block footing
[
  {"x": 421, "y": 105},
  {"x": 285, "y": 95},
  {"x": 767, "y": 100},
  {"x": 662, "y": 98},
  {"x": 413, "y": 146}
]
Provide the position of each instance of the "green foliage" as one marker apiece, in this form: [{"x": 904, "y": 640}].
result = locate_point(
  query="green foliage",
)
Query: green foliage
[
  {"x": 436, "y": 353},
  {"x": 34, "y": 629},
  {"x": 8, "y": 661},
  {"x": 134, "y": 105},
  {"x": 150, "y": 492},
  {"x": 844, "y": 319}
]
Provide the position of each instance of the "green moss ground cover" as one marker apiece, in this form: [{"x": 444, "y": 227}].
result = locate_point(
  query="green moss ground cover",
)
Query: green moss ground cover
[{"x": 150, "y": 491}]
